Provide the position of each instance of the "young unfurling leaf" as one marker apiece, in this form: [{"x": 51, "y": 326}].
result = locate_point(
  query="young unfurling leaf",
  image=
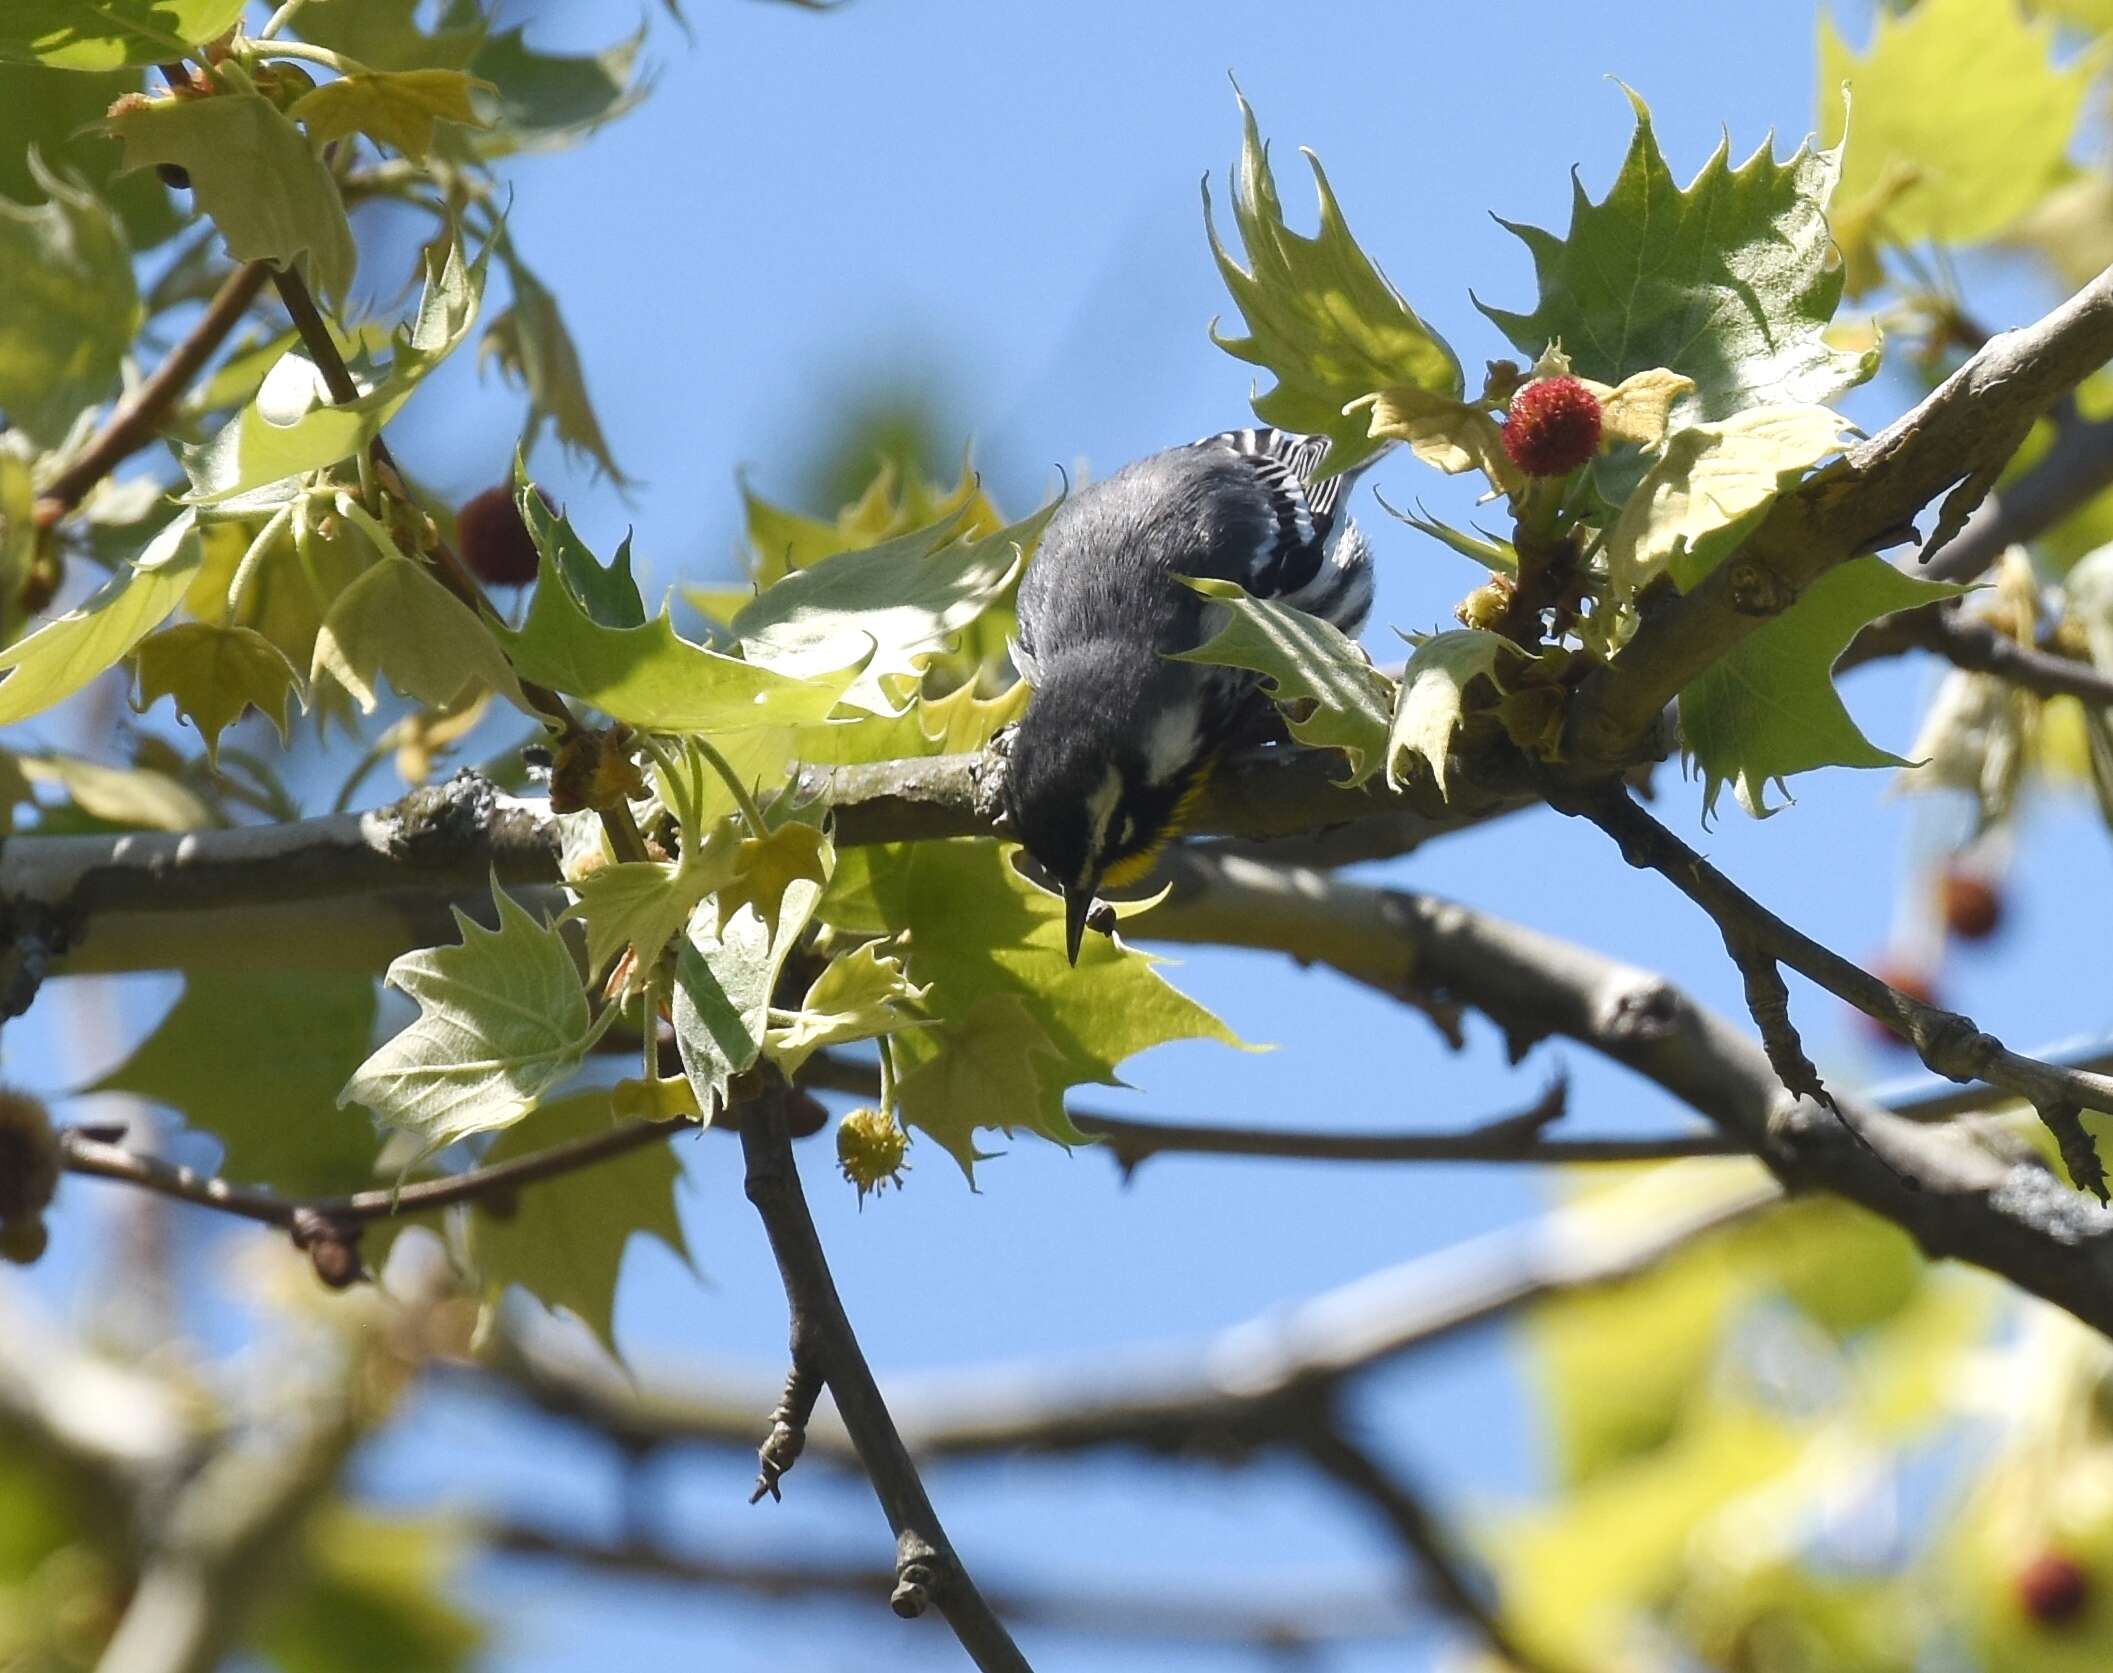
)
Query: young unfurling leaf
[{"x": 1433, "y": 697}]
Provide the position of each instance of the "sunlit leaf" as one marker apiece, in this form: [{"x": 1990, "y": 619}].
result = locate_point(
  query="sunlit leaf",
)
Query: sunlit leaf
[
  {"x": 606, "y": 592},
  {"x": 1768, "y": 707},
  {"x": 1334, "y": 698},
  {"x": 131, "y": 797},
  {"x": 214, "y": 672},
  {"x": 253, "y": 173},
  {"x": 72, "y": 306},
  {"x": 77, "y": 35},
  {"x": 1433, "y": 697},
  {"x": 396, "y": 108},
  {"x": 1319, "y": 314},
  {"x": 638, "y": 902},
  {"x": 385, "y": 34},
  {"x": 397, "y": 620},
  {"x": 547, "y": 98},
  {"x": 502, "y": 1019},
  {"x": 861, "y": 995}
]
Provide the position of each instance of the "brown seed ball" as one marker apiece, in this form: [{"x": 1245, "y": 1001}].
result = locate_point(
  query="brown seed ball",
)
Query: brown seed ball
[
  {"x": 29, "y": 1157},
  {"x": 1973, "y": 906},
  {"x": 23, "y": 1242},
  {"x": 495, "y": 542},
  {"x": 2053, "y": 1589}
]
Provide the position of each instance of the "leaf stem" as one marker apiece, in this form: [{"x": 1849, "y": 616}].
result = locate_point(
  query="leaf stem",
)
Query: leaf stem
[
  {"x": 261, "y": 47},
  {"x": 751, "y": 814}
]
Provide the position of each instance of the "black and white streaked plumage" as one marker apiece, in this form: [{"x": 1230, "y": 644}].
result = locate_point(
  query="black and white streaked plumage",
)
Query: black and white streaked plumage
[{"x": 1116, "y": 737}]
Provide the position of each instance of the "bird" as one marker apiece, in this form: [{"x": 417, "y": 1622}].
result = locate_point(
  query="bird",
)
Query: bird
[{"x": 1117, "y": 741}]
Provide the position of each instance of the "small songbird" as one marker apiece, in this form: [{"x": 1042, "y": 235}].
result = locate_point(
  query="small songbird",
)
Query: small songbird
[{"x": 1117, "y": 740}]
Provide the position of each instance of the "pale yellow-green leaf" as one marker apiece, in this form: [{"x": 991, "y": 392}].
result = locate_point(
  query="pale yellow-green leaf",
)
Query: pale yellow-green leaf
[
  {"x": 640, "y": 903},
  {"x": 502, "y": 1019},
  {"x": 397, "y": 620},
  {"x": 1319, "y": 314},
  {"x": 993, "y": 1066},
  {"x": 64, "y": 655},
  {"x": 861, "y": 995},
  {"x": 214, "y": 672},
  {"x": 1708, "y": 485},
  {"x": 1639, "y": 408},
  {"x": 1957, "y": 114},
  {"x": 781, "y": 540},
  {"x": 956, "y": 724},
  {"x": 1453, "y": 436},
  {"x": 1304, "y": 661},
  {"x": 396, "y": 108},
  {"x": 253, "y": 173},
  {"x": 1497, "y": 556},
  {"x": 1433, "y": 696},
  {"x": 136, "y": 796},
  {"x": 107, "y": 34},
  {"x": 71, "y": 309}
]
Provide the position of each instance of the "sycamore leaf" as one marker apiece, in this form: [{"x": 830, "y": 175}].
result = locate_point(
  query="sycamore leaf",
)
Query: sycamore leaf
[
  {"x": 729, "y": 964},
  {"x": 255, "y": 1058},
  {"x": 65, "y": 654},
  {"x": 781, "y": 541},
  {"x": 544, "y": 99},
  {"x": 1303, "y": 660},
  {"x": 1319, "y": 314},
  {"x": 396, "y": 619},
  {"x": 1728, "y": 281},
  {"x": 1961, "y": 123},
  {"x": 641, "y": 903},
  {"x": 1496, "y": 556},
  {"x": 533, "y": 349},
  {"x": 138, "y": 797},
  {"x": 606, "y": 592},
  {"x": 70, "y": 35},
  {"x": 1639, "y": 409},
  {"x": 1433, "y": 696},
  {"x": 563, "y": 1241},
  {"x": 291, "y": 427},
  {"x": 365, "y": 1590},
  {"x": 651, "y": 677},
  {"x": 397, "y": 108},
  {"x": 860, "y": 995},
  {"x": 1708, "y": 486},
  {"x": 1453, "y": 436},
  {"x": 895, "y": 605},
  {"x": 214, "y": 672},
  {"x": 385, "y": 34},
  {"x": 55, "y": 116},
  {"x": 72, "y": 305},
  {"x": 977, "y": 928},
  {"x": 502, "y": 1019},
  {"x": 1768, "y": 707},
  {"x": 253, "y": 173},
  {"x": 957, "y": 724},
  {"x": 994, "y": 1066}
]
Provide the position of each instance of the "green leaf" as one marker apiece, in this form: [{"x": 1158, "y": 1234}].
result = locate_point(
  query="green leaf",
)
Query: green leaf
[
  {"x": 563, "y": 1240},
  {"x": 1334, "y": 697},
  {"x": 641, "y": 903},
  {"x": 502, "y": 1019},
  {"x": 894, "y": 503},
  {"x": 544, "y": 99},
  {"x": 291, "y": 427},
  {"x": 533, "y": 349},
  {"x": 58, "y": 115},
  {"x": 134, "y": 798},
  {"x": 396, "y": 619},
  {"x": 213, "y": 673},
  {"x": 65, "y": 654},
  {"x": 977, "y": 928},
  {"x": 253, "y": 173},
  {"x": 397, "y": 108},
  {"x": 72, "y": 306},
  {"x": 368, "y": 1591},
  {"x": 1433, "y": 697},
  {"x": 1708, "y": 486},
  {"x": 384, "y": 34},
  {"x": 1319, "y": 314},
  {"x": 606, "y": 592},
  {"x": 104, "y": 35},
  {"x": 860, "y": 995},
  {"x": 1962, "y": 121},
  {"x": 728, "y": 968},
  {"x": 1768, "y": 708},
  {"x": 1729, "y": 282},
  {"x": 256, "y": 1058},
  {"x": 653, "y": 678},
  {"x": 894, "y": 605},
  {"x": 993, "y": 1066}
]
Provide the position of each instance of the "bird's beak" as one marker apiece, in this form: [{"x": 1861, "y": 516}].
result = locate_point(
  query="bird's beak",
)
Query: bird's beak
[{"x": 1078, "y": 905}]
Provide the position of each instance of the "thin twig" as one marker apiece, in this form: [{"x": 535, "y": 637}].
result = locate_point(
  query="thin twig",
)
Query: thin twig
[
  {"x": 927, "y": 1570},
  {"x": 1980, "y": 648},
  {"x": 137, "y": 420}
]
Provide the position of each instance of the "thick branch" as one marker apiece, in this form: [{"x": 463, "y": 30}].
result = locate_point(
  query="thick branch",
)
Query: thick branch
[
  {"x": 926, "y": 1567},
  {"x": 1958, "y": 437}
]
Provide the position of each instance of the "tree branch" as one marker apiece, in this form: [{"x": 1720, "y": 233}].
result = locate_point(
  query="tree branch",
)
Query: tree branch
[
  {"x": 824, "y": 1349},
  {"x": 1979, "y": 648},
  {"x": 137, "y": 420},
  {"x": 1957, "y": 438},
  {"x": 1949, "y": 1044}
]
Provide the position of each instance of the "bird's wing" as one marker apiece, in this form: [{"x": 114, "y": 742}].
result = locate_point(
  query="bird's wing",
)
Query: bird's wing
[{"x": 1305, "y": 561}]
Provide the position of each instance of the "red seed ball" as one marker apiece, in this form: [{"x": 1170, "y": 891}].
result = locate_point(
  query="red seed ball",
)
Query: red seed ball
[
  {"x": 1973, "y": 906},
  {"x": 495, "y": 543},
  {"x": 2053, "y": 1589},
  {"x": 1553, "y": 427}
]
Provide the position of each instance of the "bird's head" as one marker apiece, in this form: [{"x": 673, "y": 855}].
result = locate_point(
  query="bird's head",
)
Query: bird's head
[{"x": 1098, "y": 781}]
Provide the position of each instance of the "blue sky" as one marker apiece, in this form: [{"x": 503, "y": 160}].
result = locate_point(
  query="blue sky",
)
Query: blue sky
[{"x": 997, "y": 208}]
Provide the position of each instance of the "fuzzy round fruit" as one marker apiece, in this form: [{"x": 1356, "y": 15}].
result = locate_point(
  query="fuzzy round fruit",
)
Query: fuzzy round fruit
[
  {"x": 29, "y": 1157},
  {"x": 495, "y": 542},
  {"x": 1973, "y": 906},
  {"x": 23, "y": 1242},
  {"x": 870, "y": 1148},
  {"x": 1553, "y": 427},
  {"x": 2053, "y": 1589}
]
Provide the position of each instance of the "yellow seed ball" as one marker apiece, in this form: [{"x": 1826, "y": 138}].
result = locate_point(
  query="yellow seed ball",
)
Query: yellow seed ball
[{"x": 870, "y": 1148}]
